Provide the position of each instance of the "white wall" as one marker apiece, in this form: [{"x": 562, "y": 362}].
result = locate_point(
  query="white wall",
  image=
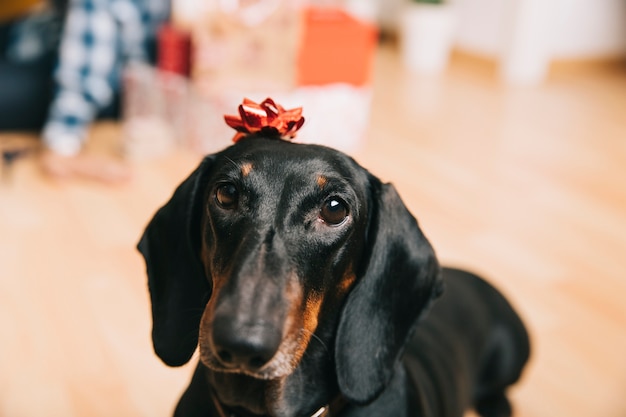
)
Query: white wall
[
  {"x": 590, "y": 28},
  {"x": 581, "y": 29},
  {"x": 481, "y": 27}
]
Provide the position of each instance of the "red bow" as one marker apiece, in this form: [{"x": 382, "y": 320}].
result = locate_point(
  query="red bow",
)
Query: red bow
[{"x": 268, "y": 119}]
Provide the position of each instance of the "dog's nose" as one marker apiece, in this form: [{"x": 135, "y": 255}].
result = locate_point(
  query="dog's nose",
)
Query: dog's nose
[{"x": 245, "y": 347}]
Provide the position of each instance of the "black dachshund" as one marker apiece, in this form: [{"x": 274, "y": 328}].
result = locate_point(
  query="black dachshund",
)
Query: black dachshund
[{"x": 307, "y": 286}]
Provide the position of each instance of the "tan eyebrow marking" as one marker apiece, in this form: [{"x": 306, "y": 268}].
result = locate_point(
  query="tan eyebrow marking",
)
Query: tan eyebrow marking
[
  {"x": 322, "y": 181},
  {"x": 246, "y": 168}
]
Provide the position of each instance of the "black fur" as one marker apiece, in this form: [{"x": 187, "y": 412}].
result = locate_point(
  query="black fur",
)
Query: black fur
[{"x": 291, "y": 311}]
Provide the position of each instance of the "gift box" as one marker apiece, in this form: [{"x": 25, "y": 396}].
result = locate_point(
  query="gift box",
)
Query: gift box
[
  {"x": 244, "y": 45},
  {"x": 318, "y": 58},
  {"x": 157, "y": 111},
  {"x": 335, "y": 47}
]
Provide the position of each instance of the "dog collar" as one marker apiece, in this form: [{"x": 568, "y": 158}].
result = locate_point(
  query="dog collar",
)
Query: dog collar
[
  {"x": 333, "y": 409},
  {"x": 330, "y": 410}
]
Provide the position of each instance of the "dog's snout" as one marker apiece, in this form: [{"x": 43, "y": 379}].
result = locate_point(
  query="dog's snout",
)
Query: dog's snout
[{"x": 247, "y": 347}]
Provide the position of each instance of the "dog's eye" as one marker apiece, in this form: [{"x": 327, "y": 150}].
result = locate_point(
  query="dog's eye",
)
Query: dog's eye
[
  {"x": 227, "y": 196},
  {"x": 334, "y": 211}
]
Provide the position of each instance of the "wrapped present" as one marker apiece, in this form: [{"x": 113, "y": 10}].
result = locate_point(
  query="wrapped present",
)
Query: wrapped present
[
  {"x": 174, "y": 50},
  {"x": 156, "y": 110},
  {"x": 246, "y": 45},
  {"x": 319, "y": 58},
  {"x": 335, "y": 47}
]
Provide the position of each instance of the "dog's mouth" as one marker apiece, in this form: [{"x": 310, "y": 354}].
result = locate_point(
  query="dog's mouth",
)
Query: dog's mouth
[{"x": 282, "y": 364}]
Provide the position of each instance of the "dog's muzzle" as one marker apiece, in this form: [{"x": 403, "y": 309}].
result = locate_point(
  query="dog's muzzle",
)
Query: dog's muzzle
[{"x": 248, "y": 348}]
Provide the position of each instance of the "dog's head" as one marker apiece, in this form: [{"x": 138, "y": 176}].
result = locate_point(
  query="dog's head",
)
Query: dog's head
[{"x": 269, "y": 244}]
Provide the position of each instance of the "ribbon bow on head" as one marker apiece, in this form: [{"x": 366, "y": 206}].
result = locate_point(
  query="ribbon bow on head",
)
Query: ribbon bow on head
[{"x": 267, "y": 119}]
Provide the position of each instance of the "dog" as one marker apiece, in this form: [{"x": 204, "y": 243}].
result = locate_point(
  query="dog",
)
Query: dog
[{"x": 310, "y": 290}]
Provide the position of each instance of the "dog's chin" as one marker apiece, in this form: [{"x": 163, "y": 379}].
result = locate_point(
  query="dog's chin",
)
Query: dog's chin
[{"x": 280, "y": 366}]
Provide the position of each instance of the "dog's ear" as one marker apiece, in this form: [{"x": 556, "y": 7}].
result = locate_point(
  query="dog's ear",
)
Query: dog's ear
[
  {"x": 179, "y": 289},
  {"x": 399, "y": 278}
]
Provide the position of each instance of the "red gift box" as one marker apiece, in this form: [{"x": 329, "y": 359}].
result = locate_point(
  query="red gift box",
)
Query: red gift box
[{"x": 335, "y": 48}]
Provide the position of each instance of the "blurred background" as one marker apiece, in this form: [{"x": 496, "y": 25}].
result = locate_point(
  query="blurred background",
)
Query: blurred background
[{"x": 501, "y": 122}]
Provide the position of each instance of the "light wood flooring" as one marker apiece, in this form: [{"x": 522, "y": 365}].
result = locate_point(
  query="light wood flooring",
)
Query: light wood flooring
[{"x": 526, "y": 185}]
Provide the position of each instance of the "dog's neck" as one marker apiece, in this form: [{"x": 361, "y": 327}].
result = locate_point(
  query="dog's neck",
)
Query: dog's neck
[{"x": 332, "y": 409}]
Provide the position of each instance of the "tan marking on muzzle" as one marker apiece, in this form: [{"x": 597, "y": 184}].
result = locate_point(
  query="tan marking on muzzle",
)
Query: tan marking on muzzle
[
  {"x": 311, "y": 314},
  {"x": 347, "y": 282},
  {"x": 302, "y": 319}
]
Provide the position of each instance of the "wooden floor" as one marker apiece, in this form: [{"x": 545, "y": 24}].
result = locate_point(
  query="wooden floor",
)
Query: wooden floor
[{"x": 525, "y": 185}]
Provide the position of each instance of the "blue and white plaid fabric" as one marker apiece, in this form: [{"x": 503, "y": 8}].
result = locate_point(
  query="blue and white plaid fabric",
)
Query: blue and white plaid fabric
[{"x": 98, "y": 38}]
